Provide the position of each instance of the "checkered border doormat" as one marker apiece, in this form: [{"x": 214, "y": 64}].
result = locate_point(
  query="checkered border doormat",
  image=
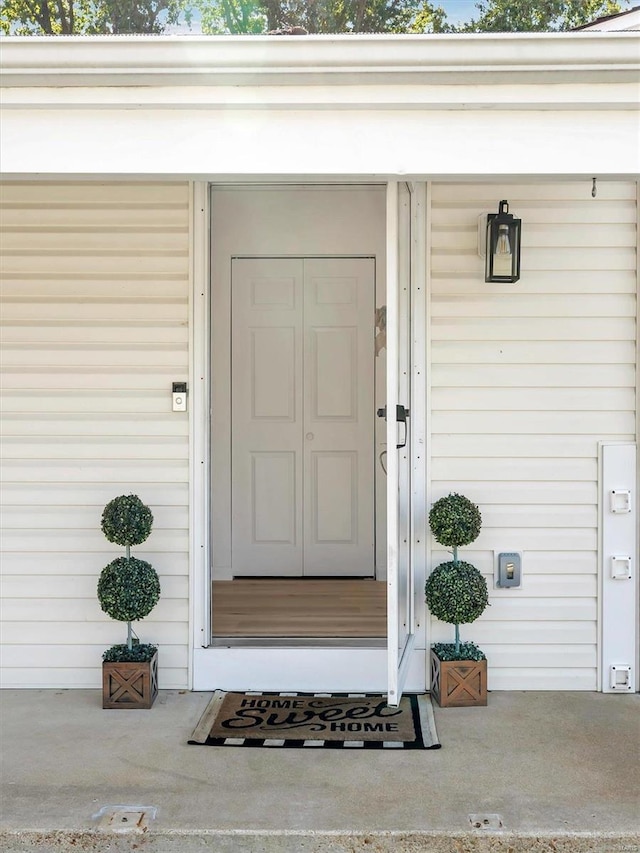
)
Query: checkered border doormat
[{"x": 421, "y": 708}]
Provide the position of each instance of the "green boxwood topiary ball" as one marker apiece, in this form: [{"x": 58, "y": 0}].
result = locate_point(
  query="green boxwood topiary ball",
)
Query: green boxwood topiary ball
[
  {"x": 467, "y": 651},
  {"x": 128, "y": 589},
  {"x": 138, "y": 653},
  {"x": 456, "y": 593},
  {"x": 455, "y": 521},
  {"x": 126, "y": 520}
]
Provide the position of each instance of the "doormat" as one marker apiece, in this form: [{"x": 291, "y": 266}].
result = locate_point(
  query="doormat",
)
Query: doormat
[{"x": 330, "y": 720}]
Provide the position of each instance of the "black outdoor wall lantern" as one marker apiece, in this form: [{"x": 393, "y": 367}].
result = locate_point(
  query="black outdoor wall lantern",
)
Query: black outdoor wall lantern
[{"x": 502, "y": 247}]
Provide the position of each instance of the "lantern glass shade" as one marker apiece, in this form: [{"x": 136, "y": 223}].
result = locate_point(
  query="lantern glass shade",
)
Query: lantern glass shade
[{"x": 502, "y": 259}]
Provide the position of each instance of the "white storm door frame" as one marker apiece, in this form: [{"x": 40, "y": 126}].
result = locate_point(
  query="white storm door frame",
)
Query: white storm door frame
[
  {"x": 400, "y": 571},
  {"x": 341, "y": 668}
]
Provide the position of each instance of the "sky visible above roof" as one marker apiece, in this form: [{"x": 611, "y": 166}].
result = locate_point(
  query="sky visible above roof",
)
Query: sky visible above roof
[{"x": 458, "y": 11}]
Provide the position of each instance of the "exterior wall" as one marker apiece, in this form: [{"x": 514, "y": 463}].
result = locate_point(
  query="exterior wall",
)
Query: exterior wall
[
  {"x": 526, "y": 380},
  {"x": 95, "y": 314}
]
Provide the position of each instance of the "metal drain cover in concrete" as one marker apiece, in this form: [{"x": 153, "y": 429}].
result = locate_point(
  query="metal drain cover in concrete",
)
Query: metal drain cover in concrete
[
  {"x": 125, "y": 818},
  {"x": 486, "y": 821}
]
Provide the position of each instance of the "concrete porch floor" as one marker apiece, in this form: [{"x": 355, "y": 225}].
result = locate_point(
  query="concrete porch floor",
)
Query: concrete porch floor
[{"x": 561, "y": 769}]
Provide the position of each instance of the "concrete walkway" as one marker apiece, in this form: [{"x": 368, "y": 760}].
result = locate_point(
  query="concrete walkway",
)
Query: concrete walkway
[{"x": 547, "y": 771}]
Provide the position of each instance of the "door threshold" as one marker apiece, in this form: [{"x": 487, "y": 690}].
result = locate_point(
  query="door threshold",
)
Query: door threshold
[
  {"x": 303, "y": 670},
  {"x": 299, "y": 642}
]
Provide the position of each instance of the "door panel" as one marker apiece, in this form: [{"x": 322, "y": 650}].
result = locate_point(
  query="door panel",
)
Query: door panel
[
  {"x": 273, "y": 493},
  {"x": 266, "y": 417},
  {"x": 339, "y": 510},
  {"x": 302, "y": 417},
  {"x": 333, "y": 373},
  {"x": 334, "y": 482},
  {"x": 272, "y": 374}
]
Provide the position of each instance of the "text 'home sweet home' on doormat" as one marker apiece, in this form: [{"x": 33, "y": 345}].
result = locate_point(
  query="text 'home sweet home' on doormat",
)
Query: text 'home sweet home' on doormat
[{"x": 334, "y": 721}]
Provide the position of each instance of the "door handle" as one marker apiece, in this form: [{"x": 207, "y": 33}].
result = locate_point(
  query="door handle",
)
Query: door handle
[{"x": 401, "y": 417}]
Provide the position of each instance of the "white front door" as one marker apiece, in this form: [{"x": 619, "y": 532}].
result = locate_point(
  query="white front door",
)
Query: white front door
[{"x": 302, "y": 416}]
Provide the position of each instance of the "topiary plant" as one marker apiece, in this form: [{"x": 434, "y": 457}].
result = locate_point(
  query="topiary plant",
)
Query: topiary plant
[
  {"x": 456, "y": 592},
  {"x": 126, "y": 520},
  {"x": 128, "y": 588}
]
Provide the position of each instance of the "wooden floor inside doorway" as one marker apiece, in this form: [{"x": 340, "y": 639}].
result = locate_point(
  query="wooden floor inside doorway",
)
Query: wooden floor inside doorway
[{"x": 293, "y": 607}]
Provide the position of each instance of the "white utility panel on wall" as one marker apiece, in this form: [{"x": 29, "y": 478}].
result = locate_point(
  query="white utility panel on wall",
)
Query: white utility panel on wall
[{"x": 619, "y": 569}]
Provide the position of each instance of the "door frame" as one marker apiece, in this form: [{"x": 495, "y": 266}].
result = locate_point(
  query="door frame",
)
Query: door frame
[
  {"x": 406, "y": 385},
  {"x": 250, "y": 220},
  {"x": 333, "y": 665},
  {"x": 400, "y": 475}
]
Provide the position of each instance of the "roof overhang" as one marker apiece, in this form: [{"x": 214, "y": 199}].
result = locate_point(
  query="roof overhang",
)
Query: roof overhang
[
  {"x": 319, "y": 105},
  {"x": 312, "y": 60},
  {"x": 618, "y": 22}
]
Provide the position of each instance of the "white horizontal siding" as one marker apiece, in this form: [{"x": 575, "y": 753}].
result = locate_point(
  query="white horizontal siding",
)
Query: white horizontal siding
[
  {"x": 95, "y": 294},
  {"x": 75, "y": 610},
  {"x": 534, "y": 375},
  {"x": 66, "y": 447},
  {"x": 546, "y": 573},
  {"x": 80, "y": 586},
  {"x": 166, "y": 519},
  {"x": 75, "y": 677},
  {"x": 83, "y": 470},
  {"x": 149, "y": 358},
  {"x": 525, "y": 381},
  {"x": 66, "y": 633},
  {"x": 514, "y": 468},
  {"x": 50, "y": 541},
  {"x": 535, "y": 352},
  {"x": 42, "y": 335},
  {"x": 96, "y": 401},
  {"x": 76, "y": 423},
  {"x": 530, "y": 328},
  {"x": 545, "y": 678},
  {"x": 87, "y": 494},
  {"x": 74, "y": 563},
  {"x": 565, "y": 422}
]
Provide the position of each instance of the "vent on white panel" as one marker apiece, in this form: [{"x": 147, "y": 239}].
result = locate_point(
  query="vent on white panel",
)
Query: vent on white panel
[
  {"x": 620, "y": 677},
  {"x": 620, "y": 500},
  {"x": 621, "y": 568}
]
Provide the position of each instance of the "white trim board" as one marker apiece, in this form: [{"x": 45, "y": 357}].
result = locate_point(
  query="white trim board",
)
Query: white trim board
[
  {"x": 322, "y": 143},
  {"x": 302, "y": 669},
  {"x": 203, "y": 100},
  {"x": 197, "y": 59},
  {"x": 199, "y": 406}
]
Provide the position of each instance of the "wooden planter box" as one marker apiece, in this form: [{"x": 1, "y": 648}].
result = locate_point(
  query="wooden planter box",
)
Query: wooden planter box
[
  {"x": 458, "y": 683},
  {"x": 129, "y": 685}
]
